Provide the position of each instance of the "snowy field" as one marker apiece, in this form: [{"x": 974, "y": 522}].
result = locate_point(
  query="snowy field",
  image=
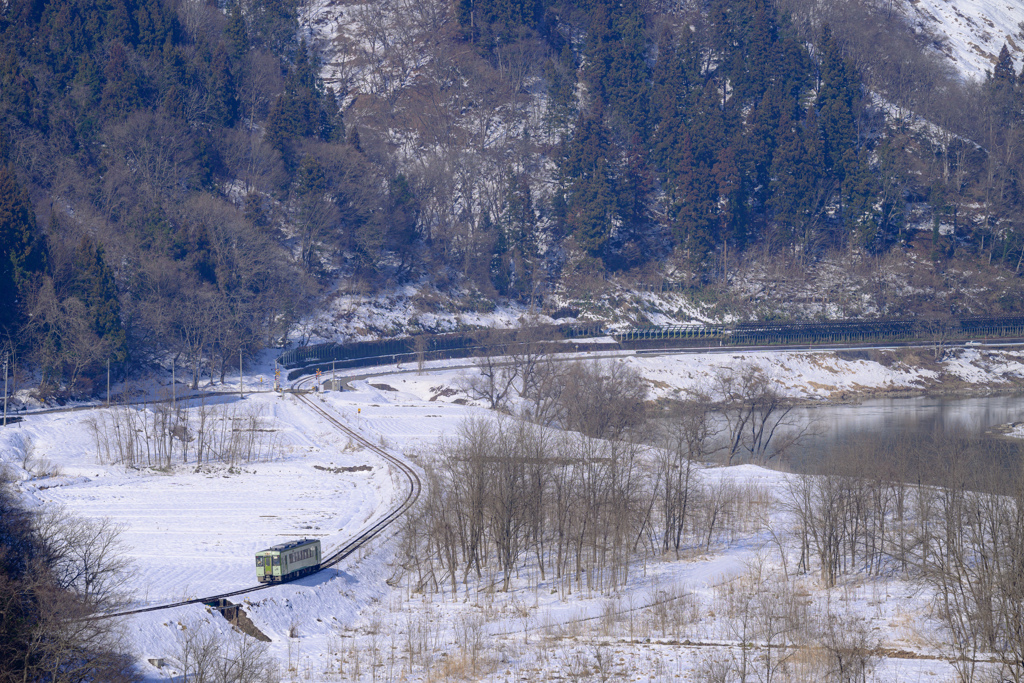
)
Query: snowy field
[
  {"x": 192, "y": 531},
  {"x": 812, "y": 375}
]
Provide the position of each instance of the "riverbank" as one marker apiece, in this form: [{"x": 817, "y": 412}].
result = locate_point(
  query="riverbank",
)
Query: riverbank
[
  {"x": 841, "y": 376},
  {"x": 812, "y": 377}
]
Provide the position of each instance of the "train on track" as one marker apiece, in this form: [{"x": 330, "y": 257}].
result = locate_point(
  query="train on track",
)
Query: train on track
[{"x": 288, "y": 561}]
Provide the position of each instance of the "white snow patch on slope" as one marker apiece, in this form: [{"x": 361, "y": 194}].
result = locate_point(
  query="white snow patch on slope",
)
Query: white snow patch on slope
[{"x": 972, "y": 31}]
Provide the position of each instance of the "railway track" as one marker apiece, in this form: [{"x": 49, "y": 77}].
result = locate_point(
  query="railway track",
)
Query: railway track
[
  {"x": 361, "y": 539},
  {"x": 782, "y": 335},
  {"x": 397, "y": 510}
]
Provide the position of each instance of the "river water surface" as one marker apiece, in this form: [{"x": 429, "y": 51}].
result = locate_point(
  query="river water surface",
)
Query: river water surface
[{"x": 831, "y": 426}]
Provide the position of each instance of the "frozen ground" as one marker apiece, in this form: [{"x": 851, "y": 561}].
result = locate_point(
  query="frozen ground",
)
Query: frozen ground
[{"x": 193, "y": 531}]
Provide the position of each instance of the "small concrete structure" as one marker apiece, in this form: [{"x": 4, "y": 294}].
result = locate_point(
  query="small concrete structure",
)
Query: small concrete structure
[{"x": 334, "y": 385}]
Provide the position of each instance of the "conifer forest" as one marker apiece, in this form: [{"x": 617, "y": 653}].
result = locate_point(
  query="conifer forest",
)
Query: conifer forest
[{"x": 184, "y": 179}]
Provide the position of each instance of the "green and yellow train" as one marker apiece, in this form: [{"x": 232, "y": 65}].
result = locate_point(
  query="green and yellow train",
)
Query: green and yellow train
[{"x": 288, "y": 561}]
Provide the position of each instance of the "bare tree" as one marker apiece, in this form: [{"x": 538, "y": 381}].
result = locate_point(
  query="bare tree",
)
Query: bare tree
[
  {"x": 850, "y": 647},
  {"x": 685, "y": 443},
  {"x": 508, "y": 497},
  {"x": 756, "y": 414},
  {"x": 602, "y": 400},
  {"x": 161, "y": 434},
  {"x": 56, "y": 573},
  {"x": 205, "y": 656},
  {"x": 531, "y": 346},
  {"x": 495, "y": 376},
  {"x": 86, "y": 556}
]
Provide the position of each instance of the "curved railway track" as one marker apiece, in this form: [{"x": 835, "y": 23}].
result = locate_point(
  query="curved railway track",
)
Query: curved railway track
[
  {"x": 360, "y": 540},
  {"x": 397, "y": 510},
  {"x": 702, "y": 338}
]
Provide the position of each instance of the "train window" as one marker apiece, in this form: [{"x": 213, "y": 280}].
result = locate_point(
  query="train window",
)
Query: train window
[
  {"x": 277, "y": 561},
  {"x": 259, "y": 560}
]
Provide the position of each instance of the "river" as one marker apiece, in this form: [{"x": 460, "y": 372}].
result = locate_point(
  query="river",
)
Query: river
[
  {"x": 827, "y": 427},
  {"x": 832, "y": 425}
]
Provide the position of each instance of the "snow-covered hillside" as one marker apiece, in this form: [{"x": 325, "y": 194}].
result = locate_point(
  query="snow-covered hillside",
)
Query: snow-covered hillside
[{"x": 971, "y": 33}]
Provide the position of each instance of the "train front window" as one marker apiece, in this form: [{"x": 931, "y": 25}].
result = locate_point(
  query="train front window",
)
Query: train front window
[
  {"x": 277, "y": 561},
  {"x": 259, "y": 560}
]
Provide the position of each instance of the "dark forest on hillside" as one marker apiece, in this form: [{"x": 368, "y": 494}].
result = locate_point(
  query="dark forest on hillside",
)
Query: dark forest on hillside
[{"x": 177, "y": 180}]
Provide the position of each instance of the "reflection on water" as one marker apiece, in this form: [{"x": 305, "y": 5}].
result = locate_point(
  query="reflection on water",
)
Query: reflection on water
[
  {"x": 834, "y": 425},
  {"x": 826, "y": 427}
]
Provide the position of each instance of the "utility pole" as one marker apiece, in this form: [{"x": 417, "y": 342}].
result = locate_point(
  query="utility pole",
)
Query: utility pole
[
  {"x": 108, "y": 382},
  {"x": 174, "y": 389},
  {"x": 240, "y": 373},
  {"x": 5, "y": 388}
]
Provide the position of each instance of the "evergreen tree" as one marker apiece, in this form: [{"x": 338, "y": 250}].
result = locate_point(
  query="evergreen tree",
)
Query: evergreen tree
[
  {"x": 587, "y": 175},
  {"x": 693, "y": 208},
  {"x": 756, "y": 146},
  {"x": 730, "y": 205},
  {"x": 155, "y": 26},
  {"x": 1004, "y": 94},
  {"x": 710, "y": 128},
  {"x": 561, "y": 76},
  {"x": 486, "y": 23},
  {"x": 592, "y": 209},
  {"x": 501, "y": 264},
  {"x": 616, "y": 67},
  {"x": 514, "y": 261},
  {"x": 304, "y": 109},
  {"x": 88, "y": 82},
  {"x": 860, "y": 212},
  {"x": 224, "y": 93},
  {"x": 237, "y": 33},
  {"x": 310, "y": 179},
  {"x": 796, "y": 178},
  {"x": 1003, "y": 73},
  {"x": 22, "y": 249},
  {"x": 272, "y": 25},
  {"x": 756, "y": 61},
  {"x": 838, "y": 97},
  {"x": 676, "y": 90},
  {"x": 121, "y": 93},
  {"x": 94, "y": 285},
  {"x": 353, "y": 139},
  {"x": 635, "y": 189},
  {"x": 403, "y": 216},
  {"x": 332, "y": 127},
  {"x": 892, "y": 181}
]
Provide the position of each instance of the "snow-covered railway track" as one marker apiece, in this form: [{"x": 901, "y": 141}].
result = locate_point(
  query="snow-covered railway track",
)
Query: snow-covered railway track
[
  {"x": 359, "y": 541},
  {"x": 397, "y": 510}
]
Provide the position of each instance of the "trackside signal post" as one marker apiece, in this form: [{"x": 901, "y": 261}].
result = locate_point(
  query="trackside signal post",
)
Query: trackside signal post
[{"x": 5, "y": 388}]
